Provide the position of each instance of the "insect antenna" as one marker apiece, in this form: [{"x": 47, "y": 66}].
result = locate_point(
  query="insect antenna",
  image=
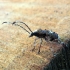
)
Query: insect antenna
[
  {"x": 14, "y": 23},
  {"x": 22, "y": 27},
  {"x": 26, "y": 25}
]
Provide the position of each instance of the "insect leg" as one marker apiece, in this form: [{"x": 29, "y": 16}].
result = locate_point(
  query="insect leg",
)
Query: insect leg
[
  {"x": 40, "y": 46},
  {"x": 34, "y": 44}
]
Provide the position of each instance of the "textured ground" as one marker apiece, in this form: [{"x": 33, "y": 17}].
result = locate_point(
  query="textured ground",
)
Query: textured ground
[{"x": 15, "y": 45}]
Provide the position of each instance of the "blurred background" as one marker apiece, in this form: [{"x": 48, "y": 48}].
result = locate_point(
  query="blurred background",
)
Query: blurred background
[{"x": 15, "y": 44}]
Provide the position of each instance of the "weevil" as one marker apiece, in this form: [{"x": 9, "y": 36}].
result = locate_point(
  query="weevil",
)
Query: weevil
[{"x": 47, "y": 35}]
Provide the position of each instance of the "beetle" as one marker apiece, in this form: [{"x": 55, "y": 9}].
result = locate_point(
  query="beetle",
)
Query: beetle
[{"x": 47, "y": 35}]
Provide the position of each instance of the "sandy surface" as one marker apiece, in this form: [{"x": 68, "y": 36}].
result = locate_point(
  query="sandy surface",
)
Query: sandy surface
[{"x": 15, "y": 44}]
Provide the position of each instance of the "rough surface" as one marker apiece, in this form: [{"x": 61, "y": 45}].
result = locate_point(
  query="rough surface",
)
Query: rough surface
[{"x": 15, "y": 44}]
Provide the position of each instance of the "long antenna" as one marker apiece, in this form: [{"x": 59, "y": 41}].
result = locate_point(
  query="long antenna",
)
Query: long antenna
[
  {"x": 27, "y": 26},
  {"x": 22, "y": 28},
  {"x": 19, "y": 26}
]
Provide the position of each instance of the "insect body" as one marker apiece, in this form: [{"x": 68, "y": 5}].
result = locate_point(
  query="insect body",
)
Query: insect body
[{"x": 42, "y": 34}]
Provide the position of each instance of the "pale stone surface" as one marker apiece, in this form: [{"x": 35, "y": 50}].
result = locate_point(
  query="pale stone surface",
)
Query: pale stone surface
[{"x": 15, "y": 44}]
